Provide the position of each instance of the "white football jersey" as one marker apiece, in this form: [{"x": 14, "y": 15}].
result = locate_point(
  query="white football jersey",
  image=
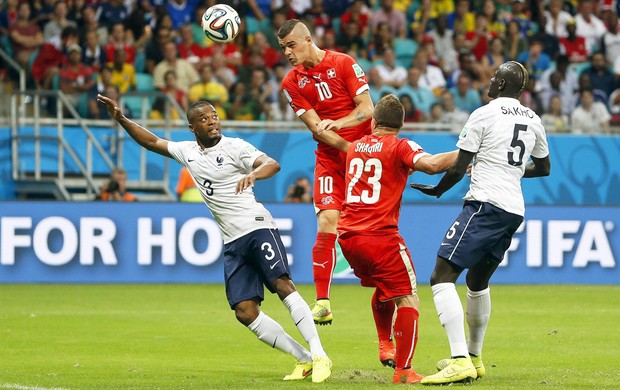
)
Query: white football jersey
[
  {"x": 216, "y": 172},
  {"x": 503, "y": 134}
]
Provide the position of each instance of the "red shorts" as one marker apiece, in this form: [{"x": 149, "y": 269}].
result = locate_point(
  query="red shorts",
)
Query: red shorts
[
  {"x": 381, "y": 261},
  {"x": 329, "y": 172}
]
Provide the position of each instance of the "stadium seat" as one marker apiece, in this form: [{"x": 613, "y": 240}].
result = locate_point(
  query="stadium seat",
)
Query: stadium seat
[
  {"x": 365, "y": 64},
  {"x": 144, "y": 82},
  {"x": 140, "y": 62},
  {"x": 252, "y": 24},
  {"x": 404, "y": 49}
]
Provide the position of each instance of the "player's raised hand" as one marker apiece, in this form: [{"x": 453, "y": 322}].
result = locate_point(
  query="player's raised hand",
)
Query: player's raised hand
[
  {"x": 426, "y": 189},
  {"x": 113, "y": 109}
]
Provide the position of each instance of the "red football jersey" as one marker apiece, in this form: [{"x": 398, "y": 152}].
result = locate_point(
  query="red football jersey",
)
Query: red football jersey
[
  {"x": 377, "y": 172},
  {"x": 329, "y": 89}
]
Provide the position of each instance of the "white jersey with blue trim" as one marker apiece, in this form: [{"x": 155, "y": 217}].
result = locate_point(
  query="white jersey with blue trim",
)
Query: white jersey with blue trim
[
  {"x": 216, "y": 171},
  {"x": 503, "y": 134}
]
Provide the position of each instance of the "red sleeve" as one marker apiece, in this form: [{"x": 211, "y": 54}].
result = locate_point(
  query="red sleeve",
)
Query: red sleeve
[
  {"x": 408, "y": 152},
  {"x": 354, "y": 76},
  {"x": 296, "y": 100}
]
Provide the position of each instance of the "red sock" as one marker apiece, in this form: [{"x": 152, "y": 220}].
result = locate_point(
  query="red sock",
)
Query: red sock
[
  {"x": 405, "y": 335},
  {"x": 323, "y": 263},
  {"x": 383, "y": 312}
]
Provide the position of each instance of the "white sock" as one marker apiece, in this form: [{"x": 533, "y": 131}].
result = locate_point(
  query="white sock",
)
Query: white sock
[
  {"x": 272, "y": 334},
  {"x": 302, "y": 317},
  {"x": 478, "y": 312},
  {"x": 450, "y": 313}
]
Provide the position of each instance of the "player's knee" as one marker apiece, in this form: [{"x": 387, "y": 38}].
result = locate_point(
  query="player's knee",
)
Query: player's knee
[
  {"x": 328, "y": 221},
  {"x": 246, "y": 312}
]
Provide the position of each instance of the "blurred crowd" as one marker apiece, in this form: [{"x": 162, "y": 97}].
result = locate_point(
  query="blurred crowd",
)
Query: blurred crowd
[{"x": 436, "y": 55}]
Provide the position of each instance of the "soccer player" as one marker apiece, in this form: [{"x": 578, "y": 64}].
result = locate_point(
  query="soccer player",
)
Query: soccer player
[
  {"x": 328, "y": 91},
  {"x": 500, "y": 138},
  {"x": 378, "y": 166},
  {"x": 225, "y": 170}
]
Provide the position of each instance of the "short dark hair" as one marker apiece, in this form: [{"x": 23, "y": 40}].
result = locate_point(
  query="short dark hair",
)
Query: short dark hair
[
  {"x": 389, "y": 112},
  {"x": 194, "y": 106},
  {"x": 287, "y": 27}
]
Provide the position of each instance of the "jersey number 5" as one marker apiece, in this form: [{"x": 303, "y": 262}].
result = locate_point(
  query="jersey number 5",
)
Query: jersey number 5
[
  {"x": 357, "y": 168},
  {"x": 516, "y": 142}
]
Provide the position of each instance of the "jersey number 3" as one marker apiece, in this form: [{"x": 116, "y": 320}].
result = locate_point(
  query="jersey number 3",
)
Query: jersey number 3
[
  {"x": 517, "y": 143},
  {"x": 357, "y": 167}
]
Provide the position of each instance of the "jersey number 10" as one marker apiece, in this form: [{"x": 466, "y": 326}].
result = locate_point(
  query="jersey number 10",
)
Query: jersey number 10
[{"x": 323, "y": 90}]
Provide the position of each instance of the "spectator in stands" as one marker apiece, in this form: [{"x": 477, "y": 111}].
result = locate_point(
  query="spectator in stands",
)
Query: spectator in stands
[
  {"x": 453, "y": 117},
  {"x": 610, "y": 42},
  {"x": 223, "y": 73},
  {"x": 589, "y": 26},
  {"x": 270, "y": 30},
  {"x": 118, "y": 40},
  {"x": 96, "y": 110},
  {"x": 25, "y": 35},
  {"x": 468, "y": 64},
  {"x": 392, "y": 74},
  {"x": 395, "y": 19},
  {"x": 42, "y": 10},
  {"x": 590, "y": 116},
  {"x": 154, "y": 48},
  {"x": 111, "y": 12},
  {"x": 431, "y": 76},
  {"x": 186, "y": 188},
  {"x": 377, "y": 88},
  {"x": 492, "y": 59},
  {"x": 210, "y": 89},
  {"x": 171, "y": 88},
  {"x": 478, "y": 40},
  {"x": 8, "y": 16},
  {"x": 436, "y": 114},
  {"x": 462, "y": 20},
  {"x": 321, "y": 19},
  {"x": 356, "y": 13},
  {"x": 535, "y": 60},
  {"x": 94, "y": 55},
  {"x": 59, "y": 21},
  {"x": 181, "y": 12},
  {"x": 601, "y": 78},
  {"x": 382, "y": 40},
  {"x": 123, "y": 74},
  {"x": 520, "y": 14},
  {"x": 261, "y": 90},
  {"x": 551, "y": 44},
  {"x": 351, "y": 38},
  {"x": 190, "y": 50},
  {"x": 412, "y": 114},
  {"x": 573, "y": 45},
  {"x": 261, "y": 46},
  {"x": 75, "y": 11},
  {"x": 186, "y": 74},
  {"x": 465, "y": 97},
  {"x": 530, "y": 97},
  {"x": 259, "y": 9},
  {"x": 197, "y": 31},
  {"x": 75, "y": 78},
  {"x": 115, "y": 189},
  {"x": 557, "y": 19},
  {"x": 280, "y": 110},
  {"x": 90, "y": 23},
  {"x": 565, "y": 82},
  {"x": 423, "y": 98},
  {"x": 515, "y": 41},
  {"x": 299, "y": 192},
  {"x": 243, "y": 106},
  {"x": 495, "y": 26},
  {"x": 442, "y": 38},
  {"x": 50, "y": 58},
  {"x": 554, "y": 120},
  {"x": 449, "y": 60}
]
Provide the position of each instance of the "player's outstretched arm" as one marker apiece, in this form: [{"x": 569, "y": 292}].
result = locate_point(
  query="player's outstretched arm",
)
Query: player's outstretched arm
[
  {"x": 538, "y": 167},
  {"x": 453, "y": 175},
  {"x": 433, "y": 164},
  {"x": 311, "y": 120},
  {"x": 264, "y": 168},
  {"x": 360, "y": 114},
  {"x": 140, "y": 134}
]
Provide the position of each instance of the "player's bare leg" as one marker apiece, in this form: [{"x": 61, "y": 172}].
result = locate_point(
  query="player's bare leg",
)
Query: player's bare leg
[{"x": 323, "y": 264}]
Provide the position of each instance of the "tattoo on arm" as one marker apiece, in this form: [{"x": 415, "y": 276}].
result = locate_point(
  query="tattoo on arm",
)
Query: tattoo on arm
[{"x": 360, "y": 116}]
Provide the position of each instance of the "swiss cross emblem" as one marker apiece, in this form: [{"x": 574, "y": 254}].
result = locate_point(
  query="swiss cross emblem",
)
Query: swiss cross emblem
[{"x": 331, "y": 73}]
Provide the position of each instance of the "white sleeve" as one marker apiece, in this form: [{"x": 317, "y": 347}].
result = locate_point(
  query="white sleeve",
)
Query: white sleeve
[
  {"x": 471, "y": 135},
  {"x": 247, "y": 154},
  {"x": 176, "y": 150},
  {"x": 541, "y": 148}
]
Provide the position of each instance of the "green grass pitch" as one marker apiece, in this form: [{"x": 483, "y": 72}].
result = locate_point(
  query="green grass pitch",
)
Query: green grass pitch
[{"x": 186, "y": 337}]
